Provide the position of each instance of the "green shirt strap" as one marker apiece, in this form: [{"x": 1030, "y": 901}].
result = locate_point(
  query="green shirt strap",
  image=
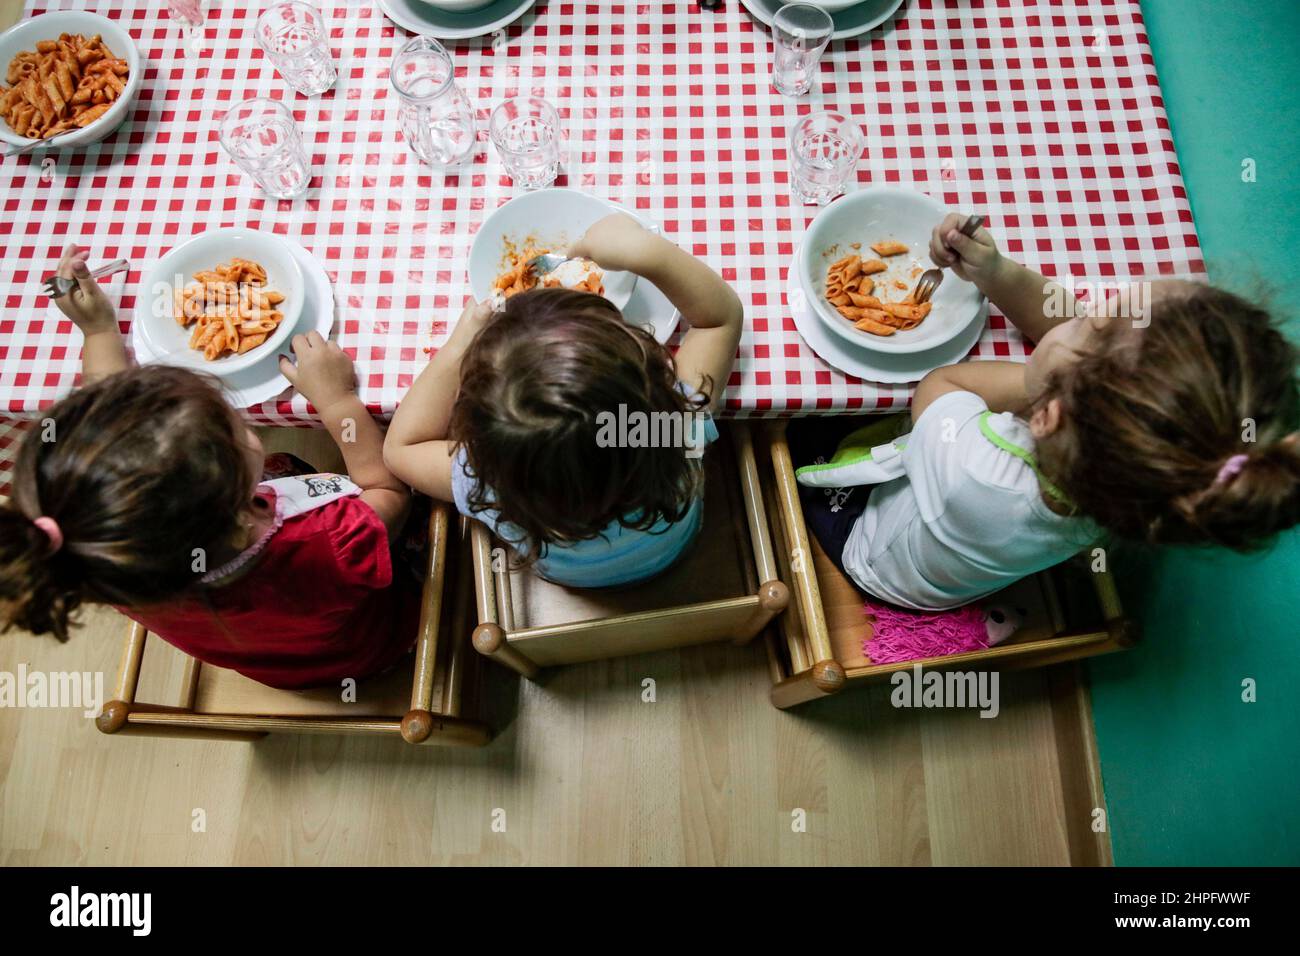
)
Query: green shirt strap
[{"x": 1026, "y": 456}]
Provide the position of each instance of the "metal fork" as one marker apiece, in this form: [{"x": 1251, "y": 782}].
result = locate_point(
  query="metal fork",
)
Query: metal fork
[
  {"x": 56, "y": 286},
  {"x": 39, "y": 143},
  {"x": 547, "y": 263},
  {"x": 930, "y": 278}
]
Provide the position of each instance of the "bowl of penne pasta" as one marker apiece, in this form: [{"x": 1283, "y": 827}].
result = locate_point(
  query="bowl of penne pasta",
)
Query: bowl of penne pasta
[
  {"x": 547, "y": 220},
  {"x": 69, "y": 74},
  {"x": 221, "y": 301},
  {"x": 859, "y": 263}
]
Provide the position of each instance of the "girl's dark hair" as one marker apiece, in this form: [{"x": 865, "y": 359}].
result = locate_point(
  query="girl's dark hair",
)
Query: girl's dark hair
[
  {"x": 533, "y": 386},
  {"x": 1151, "y": 418},
  {"x": 138, "y": 470}
]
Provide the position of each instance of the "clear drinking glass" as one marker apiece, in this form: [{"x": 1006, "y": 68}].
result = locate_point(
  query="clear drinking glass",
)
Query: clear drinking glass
[
  {"x": 262, "y": 138},
  {"x": 824, "y": 152},
  {"x": 187, "y": 13},
  {"x": 526, "y": 132},
  {"x": 437, "y": 117},
  {"x": 296, "y": 41},
  {"x": 800, "y": 33}
]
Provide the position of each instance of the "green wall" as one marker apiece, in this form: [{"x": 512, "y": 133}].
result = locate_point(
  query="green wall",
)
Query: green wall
[{"x": 1193, "y": 775}]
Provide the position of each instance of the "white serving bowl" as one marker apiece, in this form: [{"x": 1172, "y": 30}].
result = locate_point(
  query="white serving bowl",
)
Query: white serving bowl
[
  {"x": 549, "y": 218},
  {"x": 872, "y": 215},
  {"x": 458, "y": 6},
  {"x": 155, "y": 310},
  {"x": 48, "y": 26}
]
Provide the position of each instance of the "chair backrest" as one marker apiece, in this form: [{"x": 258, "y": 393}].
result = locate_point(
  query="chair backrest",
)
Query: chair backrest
[{"x": 712, "y": 593}]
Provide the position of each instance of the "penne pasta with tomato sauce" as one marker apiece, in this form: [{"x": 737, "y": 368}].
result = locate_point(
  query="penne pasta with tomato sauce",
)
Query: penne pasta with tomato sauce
[
  {"x": 857, "y": 297},
  {"x": 229, "y": 309},
  {"x": 520, "y": 277}
]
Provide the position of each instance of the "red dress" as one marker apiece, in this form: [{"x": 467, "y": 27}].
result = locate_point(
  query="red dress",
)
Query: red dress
[{"x": 320, "y": 604}]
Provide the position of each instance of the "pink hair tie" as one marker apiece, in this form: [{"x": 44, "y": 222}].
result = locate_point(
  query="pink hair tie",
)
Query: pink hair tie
[
  {"x": 1231, "y": 468},
  {"x": 52, "y": 531}
]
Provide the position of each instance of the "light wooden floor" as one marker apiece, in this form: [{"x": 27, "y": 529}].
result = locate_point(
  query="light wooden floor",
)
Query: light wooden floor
[{"x": 585, "y": 772}]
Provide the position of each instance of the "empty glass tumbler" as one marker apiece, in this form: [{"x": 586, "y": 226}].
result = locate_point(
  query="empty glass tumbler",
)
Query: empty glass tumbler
[
  {"x": 824, "y": 152},
  {"x": 262, "y": 138},
  {"x": 187, "y": 13},
  {"x": 526, "y": 132},
  {"x": 437, "y": 118},
  {"x": 296, "y": 41},
  {"x": 800, "y": 33}
]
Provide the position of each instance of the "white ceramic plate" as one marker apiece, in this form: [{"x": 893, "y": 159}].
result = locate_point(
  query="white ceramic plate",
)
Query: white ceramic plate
[
  {"x": 872, "y": 366},
  {"x": 154, "y": 312},
  {"x": 548, "y": 218},
  {"x": 850, "y": 21},
  {"x": 48, "y": 26},
  {"x": 262, "y": 381},
  {"x": 872, "y": 215},
  {"x": 427, "y": 20}
]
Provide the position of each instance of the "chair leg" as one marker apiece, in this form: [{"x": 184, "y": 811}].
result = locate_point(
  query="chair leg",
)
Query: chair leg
[
  {"x": 821, "y": 680},
  {"x": 773, "y": 598},
  {"x": 490, "y": 641},
  {"x": 422, "y": 727}
]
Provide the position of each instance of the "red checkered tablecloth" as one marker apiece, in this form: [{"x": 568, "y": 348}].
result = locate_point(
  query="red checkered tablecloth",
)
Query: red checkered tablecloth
[{"x": 1044, "y": 114}]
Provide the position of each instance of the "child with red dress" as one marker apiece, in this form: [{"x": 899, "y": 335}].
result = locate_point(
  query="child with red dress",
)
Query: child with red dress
[{"x": 144, "y": 490}]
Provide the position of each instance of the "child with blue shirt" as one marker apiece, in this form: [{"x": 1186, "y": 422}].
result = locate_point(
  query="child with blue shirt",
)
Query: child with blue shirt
[{"x": 575, "y": 436}]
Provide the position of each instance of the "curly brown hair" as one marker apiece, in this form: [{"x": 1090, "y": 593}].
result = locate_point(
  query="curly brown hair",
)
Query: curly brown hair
[
  {"x": 533, "y": 383},
  {"x": 138, "y": 470},
  {"x": 1150, "y": 421}
]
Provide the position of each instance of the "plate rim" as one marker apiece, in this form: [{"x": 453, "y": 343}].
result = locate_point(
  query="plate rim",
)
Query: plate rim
[
  {"x": 310, "y": 265},
  {"x": 194, "y": 238},
  {"x": 978, "y": 324},
  {"x": 609, "y": 203},
  {"x": 883, "y": 189},
  {"x": 457, "y": 33},
  {"x": 841, "y": 33}
]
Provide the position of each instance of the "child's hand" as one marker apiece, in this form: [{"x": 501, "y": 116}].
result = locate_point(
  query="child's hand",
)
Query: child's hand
[
  {"x": 86, "y": 305},
  {"x": 324, "y": 373},
  {"x": 975, "y": 259},
  {"x": 618, "y": 243}
]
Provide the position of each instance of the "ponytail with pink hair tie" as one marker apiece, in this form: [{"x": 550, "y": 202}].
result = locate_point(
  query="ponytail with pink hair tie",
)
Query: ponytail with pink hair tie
[
  {"x": 52, "y": 531},
  {"x": 1231, "y": 469}
]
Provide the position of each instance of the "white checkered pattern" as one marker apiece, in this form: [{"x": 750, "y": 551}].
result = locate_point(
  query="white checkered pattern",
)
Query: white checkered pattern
[{"x": 1046, "y": 116}]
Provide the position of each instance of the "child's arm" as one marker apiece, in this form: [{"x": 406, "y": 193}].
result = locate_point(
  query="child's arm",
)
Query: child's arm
[
  {"x": 710, "y": 307},
  {"x": 325, "y": 374},
  {"x": 103, "y": 352},
  {"x": 416, "y": 448},
  {"x": 1022, "y": 294},
  {"x": 1000, "y": 384}
]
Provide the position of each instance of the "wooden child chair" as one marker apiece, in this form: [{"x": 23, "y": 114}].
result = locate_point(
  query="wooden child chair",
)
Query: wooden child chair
[
  {"x": 725, "y": 588},
  {"x": 816, "y": 647},
  {"x": 422, "y": 700}
]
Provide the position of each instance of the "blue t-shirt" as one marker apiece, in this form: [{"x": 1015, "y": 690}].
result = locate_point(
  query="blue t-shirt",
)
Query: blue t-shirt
[{"x": 619, "y": 555}]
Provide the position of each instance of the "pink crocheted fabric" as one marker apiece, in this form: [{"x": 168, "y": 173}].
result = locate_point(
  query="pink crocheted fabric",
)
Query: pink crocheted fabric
[{"x": 908, "y": 635}]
